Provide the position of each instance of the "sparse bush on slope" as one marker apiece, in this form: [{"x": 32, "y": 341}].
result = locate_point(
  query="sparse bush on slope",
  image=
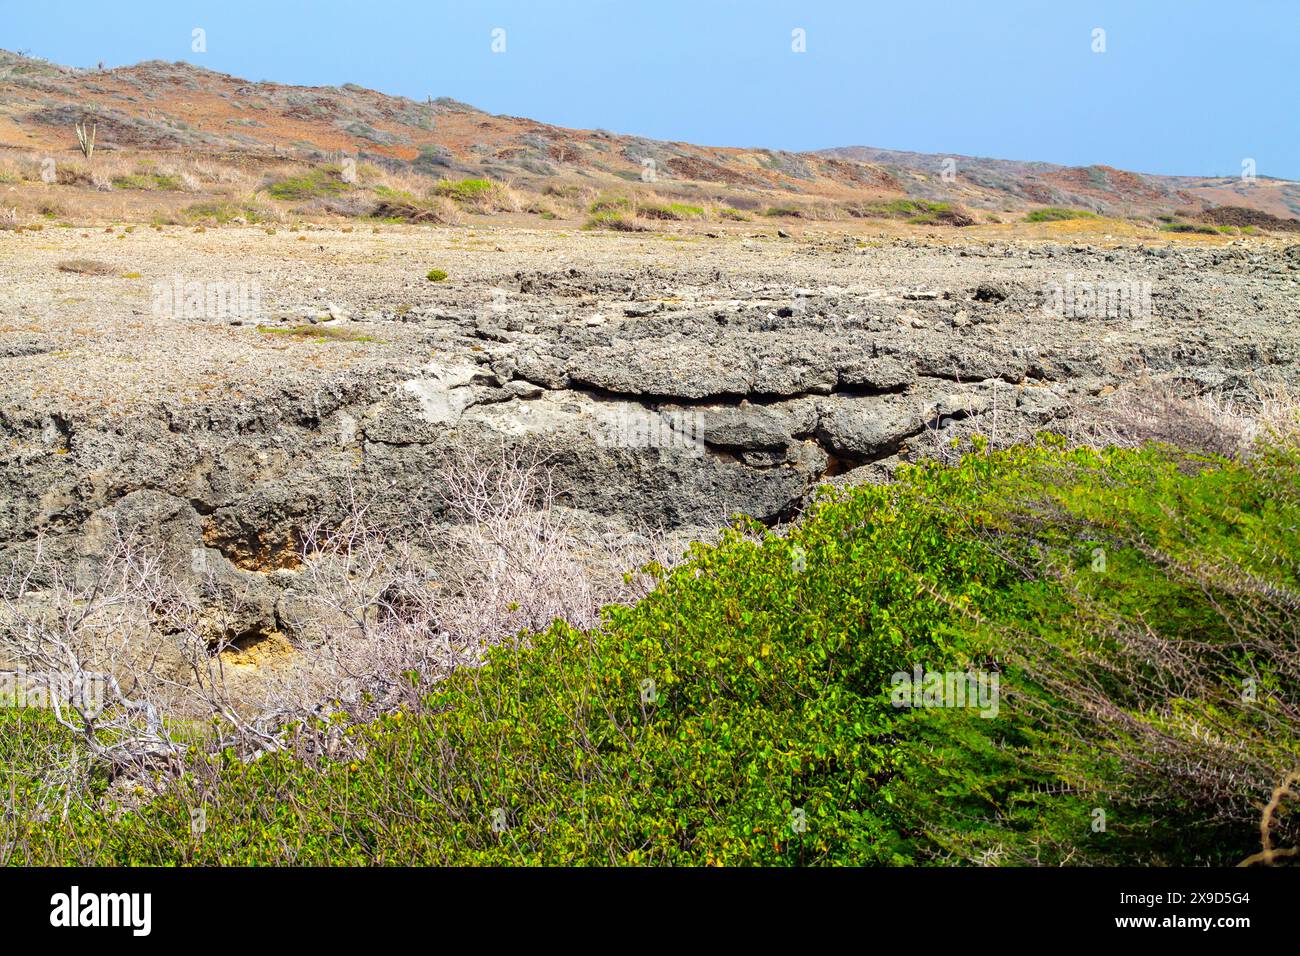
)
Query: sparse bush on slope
[
  {"x": 919, "y": 212},
  {"x": 312, "y": 184},
  {"x": 478, "y": 195},
  {"x": 615, "y": 221},
  {"x": 742, "y": 712},
  {"x": 672, "y": 212},
  {"x": 1057, "y": 214},
  {"x": 225, "y": 211},
  {"x": 402, "y": 206}
]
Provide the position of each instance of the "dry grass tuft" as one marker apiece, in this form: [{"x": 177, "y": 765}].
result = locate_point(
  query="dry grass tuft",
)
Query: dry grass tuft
[
  {"x": 86, "y": 267},
  {"x": 1228, "y": 423},
  {"x": 438, "y": 210},
  {"x": 1217, "y": 422}
]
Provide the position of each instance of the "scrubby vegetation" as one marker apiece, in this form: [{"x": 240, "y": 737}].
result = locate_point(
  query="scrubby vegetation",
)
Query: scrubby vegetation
[
  {"x": 86, "y": 267},
  {"x": 149, "y": 180},
  {"x": 313, "y": 184},
  {"x": 401, "y": 206},
  {"x": 623, "y": 212},
  {"x": 1137, "y": 608},
  {"x": 1056, "y": 214},
  {"x": 1194, "y": 227},
  {"x": 317, "y": 333},
  {"x": 603, "y": 203},
  {"x": 478, "y": 195},
  {"x": 610, "y": 219},
  {"x": 940, "y": 214},
  {"x": 670, "y": 211},
  {"x": 319, "y": 185},
  {"x": 221, "y": 212},
  {"x": 915, "y": 211}
]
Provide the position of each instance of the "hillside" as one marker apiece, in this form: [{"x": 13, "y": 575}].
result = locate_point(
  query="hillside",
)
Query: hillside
[
  {"x": 1102, "y": 189},
  {"x": 177, "y": 108}
]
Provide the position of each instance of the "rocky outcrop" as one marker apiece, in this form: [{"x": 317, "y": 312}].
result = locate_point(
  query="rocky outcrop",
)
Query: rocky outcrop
[{"x": 662, "y": 396}]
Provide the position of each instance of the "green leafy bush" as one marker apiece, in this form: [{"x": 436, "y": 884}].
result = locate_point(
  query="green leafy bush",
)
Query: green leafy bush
[{"x": 742, "y": 713}]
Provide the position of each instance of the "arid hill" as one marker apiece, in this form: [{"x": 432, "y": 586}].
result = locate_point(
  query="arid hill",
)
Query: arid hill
[{"x": 178, "y": 108}]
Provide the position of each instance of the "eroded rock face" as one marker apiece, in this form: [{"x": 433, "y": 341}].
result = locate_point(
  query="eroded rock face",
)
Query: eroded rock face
[{"x": 732, "y": 377}]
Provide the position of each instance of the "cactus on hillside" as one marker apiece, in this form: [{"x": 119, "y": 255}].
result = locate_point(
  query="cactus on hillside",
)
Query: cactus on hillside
[{"x": 86, "y": 140}]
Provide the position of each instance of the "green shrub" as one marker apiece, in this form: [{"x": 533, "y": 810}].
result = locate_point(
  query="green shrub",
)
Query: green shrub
[
  {"x": 148, "y": 180},
  {"x": 610, "y": 204},
  {"x": 1056, "y": 214},
  {"x": 314, "y": 184},
  {"x": 742, "y": 714},
  {"x": 905, "y": 207},
  {"x": 670, "y": 211},
  {"x": 466, "y": 190},
  {"x": 436, "y": 275},
  {"x": 921, "y": 212},
  {"x": 478, "y": 195},
  {"x": 1194, "y": 227}
]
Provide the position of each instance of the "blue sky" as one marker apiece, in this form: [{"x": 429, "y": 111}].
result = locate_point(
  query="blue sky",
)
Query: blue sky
[{"x": 1184, "y": 86}]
